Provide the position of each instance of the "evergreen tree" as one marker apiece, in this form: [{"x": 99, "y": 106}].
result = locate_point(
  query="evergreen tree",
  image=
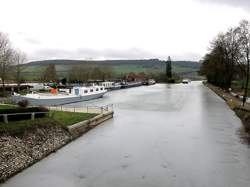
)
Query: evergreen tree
[{"x": 169, "y": 68}]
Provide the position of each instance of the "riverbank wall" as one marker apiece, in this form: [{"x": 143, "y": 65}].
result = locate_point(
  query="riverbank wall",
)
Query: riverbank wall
[{"x": 20, "y": 151}]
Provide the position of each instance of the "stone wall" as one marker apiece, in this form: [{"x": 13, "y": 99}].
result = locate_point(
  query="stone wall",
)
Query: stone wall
[{"x": 19, "y": 152}]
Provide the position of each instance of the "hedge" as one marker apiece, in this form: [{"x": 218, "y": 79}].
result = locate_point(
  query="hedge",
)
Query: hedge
[{"x": 22, "y": 110}]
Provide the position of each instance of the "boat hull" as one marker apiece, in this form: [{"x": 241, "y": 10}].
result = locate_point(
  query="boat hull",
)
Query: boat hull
[
  {"x": 116, "y": 87},
  {"x": 56, "y": 101},
  {"x": 131, "y": 85}
]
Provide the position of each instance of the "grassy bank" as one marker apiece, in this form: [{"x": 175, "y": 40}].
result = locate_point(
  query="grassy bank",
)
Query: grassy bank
[
  {"x": 69, "y": 118},
  {"x": 25, "y": 142},
  {"x": 244, "y": 115},
  {"x": 5, "y": 106},
  {"x": 58, "y": 118},
  {"x": 235, "y": 104}
]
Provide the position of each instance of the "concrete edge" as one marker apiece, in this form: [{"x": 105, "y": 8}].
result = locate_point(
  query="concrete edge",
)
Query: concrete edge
[{"x": 79, "y": 128}]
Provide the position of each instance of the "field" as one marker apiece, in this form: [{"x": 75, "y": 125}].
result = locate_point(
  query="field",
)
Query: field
[{"x": 34, "y": 70}]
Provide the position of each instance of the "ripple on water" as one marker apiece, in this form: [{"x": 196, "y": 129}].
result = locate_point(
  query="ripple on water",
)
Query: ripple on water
[
  {"x": 229, "y": 143},
  {"x": 229, "y": 161}
]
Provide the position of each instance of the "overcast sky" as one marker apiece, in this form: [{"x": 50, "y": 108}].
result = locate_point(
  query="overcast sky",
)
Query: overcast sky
[{"x": 118, "y": 29}]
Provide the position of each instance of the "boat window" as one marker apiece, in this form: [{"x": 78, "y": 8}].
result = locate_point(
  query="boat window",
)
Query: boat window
[
  {"x": 97, "y": 89},
  {"x": 85, "y": 91},
  {"x": 101, "y": 88},
  {"x": 91, "y": 90},
  {"x": 77, "y": 92}
]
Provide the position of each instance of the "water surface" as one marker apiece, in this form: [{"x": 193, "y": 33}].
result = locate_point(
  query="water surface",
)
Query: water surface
[{"x": 161, "y": 135}]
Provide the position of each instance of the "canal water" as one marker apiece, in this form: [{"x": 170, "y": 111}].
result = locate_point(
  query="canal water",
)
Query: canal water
[{"x": 161, "y": 135}]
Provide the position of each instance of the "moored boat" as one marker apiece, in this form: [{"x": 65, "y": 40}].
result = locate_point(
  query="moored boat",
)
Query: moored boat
[
  {"x": 65, "y": 96},
  {"x": 131, "y": 84},
  {"x": 111, "y": 85},
  {"x": 116, "y": 86},
  {"x": 107, "y": 85},
  {"x": 185, "y": 81},
  {"x": 149, "y": 82}
]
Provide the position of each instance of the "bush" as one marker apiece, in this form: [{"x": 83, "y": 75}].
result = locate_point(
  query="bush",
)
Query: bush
[
  {"x": 244, "y": 115},
  {"x": 23, "y": 103},
  {"x": 171, "y": 80}
]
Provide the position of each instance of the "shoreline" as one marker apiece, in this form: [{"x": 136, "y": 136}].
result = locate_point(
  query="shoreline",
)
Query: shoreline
[
  {"x": 235, "y": 104},
  {"x": 18, "y": 152}
]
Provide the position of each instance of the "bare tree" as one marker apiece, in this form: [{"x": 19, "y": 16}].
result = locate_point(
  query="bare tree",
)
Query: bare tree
[
  {"x": 232, "y": 38},
  {"x": 5, "y": 59},
  {"x": 79, "y": 73},
  {"x": 221, "y": 63},
  {"x": 49, "y": 73},
  {"x": 19, "y": 59},
  {"x": 245, "y": 52}
]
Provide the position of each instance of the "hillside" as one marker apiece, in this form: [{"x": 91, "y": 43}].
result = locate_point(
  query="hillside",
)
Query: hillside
[{"x": 63, "y": 66}]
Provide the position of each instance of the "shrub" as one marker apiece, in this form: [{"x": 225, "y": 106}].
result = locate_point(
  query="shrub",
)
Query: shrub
[
  {"x": 23, "y": 103},
  {"x": 244, "y": 115},
  {"x": 171, "y": 80}
]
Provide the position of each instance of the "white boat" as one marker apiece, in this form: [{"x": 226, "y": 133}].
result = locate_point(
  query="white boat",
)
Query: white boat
[
  {"x": 185, "y": 81},
  {"x": 111, "y": 85},
  {"x": 107, "y": 85},
  {"x": 116, "y": 86},
  {"x": 76, "y": 94},
  {"x": 149, "y": 82}
]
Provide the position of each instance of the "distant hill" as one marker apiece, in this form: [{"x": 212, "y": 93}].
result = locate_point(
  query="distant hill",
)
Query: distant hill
[
  {"x": 119, "y": 66},
  {"x": 111, "y": 62}
]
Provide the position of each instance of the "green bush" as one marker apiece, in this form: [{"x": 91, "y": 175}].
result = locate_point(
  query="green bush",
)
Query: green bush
[
  {"x": 244, "y": 115},
  {"x": 23, "y": 103}
]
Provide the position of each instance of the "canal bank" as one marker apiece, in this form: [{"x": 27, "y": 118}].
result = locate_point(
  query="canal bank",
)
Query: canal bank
[
  {"x": 24, "y": 147},
  {"x": 243, "y": 112}
]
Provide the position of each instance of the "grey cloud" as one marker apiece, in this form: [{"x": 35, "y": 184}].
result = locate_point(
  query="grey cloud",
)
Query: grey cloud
[
  {"x": 245, "y": 4},
  {"x": 32, "y": 41},
  {"x": 29, "y": 38},
  {"x": 86, "y": 53}
]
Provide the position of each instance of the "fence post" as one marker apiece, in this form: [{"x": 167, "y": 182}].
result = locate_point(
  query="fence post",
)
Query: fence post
[
  {"x": 101, "y": 110},
  {"x": 74, "y": 109},
  {"x": 5, "y": 118},
  {"x": 61, "y": 107},
  {"x": 33, "y": 116},
  {"x": 87, "y": 109}
]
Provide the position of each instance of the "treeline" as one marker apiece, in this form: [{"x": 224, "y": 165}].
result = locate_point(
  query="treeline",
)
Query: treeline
[
  {"x": 85, "y": 73},
  {"x": 11, "y": 60},
  {"x": 79, "y": 73},
  {"x": 229, "y": 57}
]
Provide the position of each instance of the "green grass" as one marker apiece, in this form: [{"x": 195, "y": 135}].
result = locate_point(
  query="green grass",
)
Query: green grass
[
  {"x": 59, "y": 118},
  {"x": 69, "y": 118},
  {"x": 19, "y": 127},
  {"x": 7, "y": 106}
]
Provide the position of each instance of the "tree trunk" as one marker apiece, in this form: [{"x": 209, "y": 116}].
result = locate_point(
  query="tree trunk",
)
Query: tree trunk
[
  {"x": 18, "y": 81},
  {"x": 3, "y": 83},
  {"x": 18, "y": 86},
  {"x": 247, "y": 81}
]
